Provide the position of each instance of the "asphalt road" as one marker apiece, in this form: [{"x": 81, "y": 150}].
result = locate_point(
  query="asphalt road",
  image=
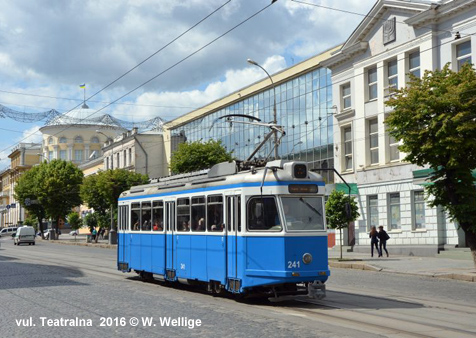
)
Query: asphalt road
[{"x": 49, "y": 284}]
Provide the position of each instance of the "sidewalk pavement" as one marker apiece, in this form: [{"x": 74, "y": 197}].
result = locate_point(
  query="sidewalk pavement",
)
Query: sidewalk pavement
[
  {"x": 460, "y": 269},
  {"x": 439, "y": 267}
]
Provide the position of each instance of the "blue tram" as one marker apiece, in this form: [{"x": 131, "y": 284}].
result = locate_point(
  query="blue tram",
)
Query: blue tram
[{"x": 260, "y": 231}]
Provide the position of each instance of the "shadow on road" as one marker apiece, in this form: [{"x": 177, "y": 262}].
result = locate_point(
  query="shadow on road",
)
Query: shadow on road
[{"x": 16, "y": 275}]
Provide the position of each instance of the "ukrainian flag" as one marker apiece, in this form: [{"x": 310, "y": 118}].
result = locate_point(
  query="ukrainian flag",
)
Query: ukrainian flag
[{"x": 82, "y": 86}]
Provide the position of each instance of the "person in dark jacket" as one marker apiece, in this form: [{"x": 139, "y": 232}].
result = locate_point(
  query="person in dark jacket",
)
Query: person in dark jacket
[
  {"x": 383, "y": 237},
  {"x": 374, "y": 240}
]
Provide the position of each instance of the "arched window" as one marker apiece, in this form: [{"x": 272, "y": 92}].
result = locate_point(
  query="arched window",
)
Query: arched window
[
  {"x": 78, "y": 139},
  {"x": 50, "y": 140},
  {"x": 94, "y": 139},
  {"x": 63, "y": 140}
]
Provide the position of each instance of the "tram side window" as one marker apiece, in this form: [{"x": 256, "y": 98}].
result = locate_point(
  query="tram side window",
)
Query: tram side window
[
  {"x": 215, "y": 213},
  {"x": 158, "y": 216},
  {"x": 135, "y": 216},
  {"x": 183, "y": 214},
  {"x": 119, "y": 218},
  {"x": 198, "y": 214},
  {"x": 263, "y": 214},
  {"x": 125, "y": 217},
  {"x": 146, "y": 216}
]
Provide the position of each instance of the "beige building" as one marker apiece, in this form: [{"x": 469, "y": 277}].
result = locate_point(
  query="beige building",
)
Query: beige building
[
  {"x": 4, "y": 198},
  {"x": 76, "y": 135},
  {"x": 22, "y": 157}
]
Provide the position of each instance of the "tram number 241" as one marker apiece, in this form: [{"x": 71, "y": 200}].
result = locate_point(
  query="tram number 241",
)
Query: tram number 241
[{"x": 294, "y": 264}]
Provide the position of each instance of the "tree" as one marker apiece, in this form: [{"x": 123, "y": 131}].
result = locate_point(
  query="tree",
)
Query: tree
[
  {"x": 435, "y": 118},
  {"x": 197, "y": 156},
  {"x": 75, "y": 220},
  {"x": 341, "y": 209},
  {"x": 102, "y": 191},
  {"x": 58, "y": 184},
  {"x": 27, "y": 192}
]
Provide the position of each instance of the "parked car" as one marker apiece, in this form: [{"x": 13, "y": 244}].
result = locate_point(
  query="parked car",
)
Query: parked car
[
  {"x": 25, "y": 234},
  {"x": 10, "y": 231},
  {"x": 47, "y": 233}
]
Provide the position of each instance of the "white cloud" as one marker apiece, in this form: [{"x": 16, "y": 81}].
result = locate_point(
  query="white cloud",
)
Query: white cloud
[
  {"x": 31, "y": 135},
  {"x": 50, "y": 47}
]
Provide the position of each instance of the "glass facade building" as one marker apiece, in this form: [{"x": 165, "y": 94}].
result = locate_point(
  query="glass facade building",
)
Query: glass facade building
[{"x": 303, "y": 108}]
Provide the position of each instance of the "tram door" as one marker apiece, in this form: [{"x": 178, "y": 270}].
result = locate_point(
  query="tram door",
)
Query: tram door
[
  {"x": 232, "y": 229},
  {"x": 169, "y": 240}
]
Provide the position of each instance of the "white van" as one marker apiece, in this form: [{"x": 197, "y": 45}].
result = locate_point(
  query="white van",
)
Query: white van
[
  {"x": 24, "y": 234},
  {"x": 8, "y": 232}
]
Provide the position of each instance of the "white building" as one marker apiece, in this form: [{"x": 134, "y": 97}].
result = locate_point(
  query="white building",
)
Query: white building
[
  {"x": 143, "y": 153},
  {"x": 396, "y": 37}
]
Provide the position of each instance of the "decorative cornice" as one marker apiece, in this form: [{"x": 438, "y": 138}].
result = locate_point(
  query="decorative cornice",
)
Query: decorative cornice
[
  {"x": 437, "y": 13},
  {"x": 343, "y": 115}
]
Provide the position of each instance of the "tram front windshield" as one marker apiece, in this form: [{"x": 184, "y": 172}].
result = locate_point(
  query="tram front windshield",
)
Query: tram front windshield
[{"x": 303, "y": 213}]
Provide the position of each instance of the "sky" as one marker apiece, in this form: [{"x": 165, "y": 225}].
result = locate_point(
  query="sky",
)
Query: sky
[{"x": 50, "y": 47}]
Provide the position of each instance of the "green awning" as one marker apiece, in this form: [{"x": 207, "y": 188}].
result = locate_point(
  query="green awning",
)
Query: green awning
[
  {"x": 343, "y": 187},
  {"x": 421, "y": 175}
]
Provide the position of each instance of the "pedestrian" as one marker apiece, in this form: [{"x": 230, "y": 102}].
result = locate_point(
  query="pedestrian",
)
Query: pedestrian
[
  {"x": 94, "y": 233},
  {"x": 384, "y": 237},
  {"x": 374, "y": 240}
]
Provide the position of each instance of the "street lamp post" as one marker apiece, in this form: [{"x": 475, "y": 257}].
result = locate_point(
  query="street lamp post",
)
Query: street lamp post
[
  {"x": 112, "y": 149},
  {"x": 112, "y": 231},
  {"x": 275, "y": 118}
]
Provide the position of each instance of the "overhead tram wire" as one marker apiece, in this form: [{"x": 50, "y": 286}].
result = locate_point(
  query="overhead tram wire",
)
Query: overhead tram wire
[
  {"x": 130, "y": 70},
  {"x": 163, "y": 72},
  {"x": 156, "y": 52},
  {"x": 327, "y": 86}
]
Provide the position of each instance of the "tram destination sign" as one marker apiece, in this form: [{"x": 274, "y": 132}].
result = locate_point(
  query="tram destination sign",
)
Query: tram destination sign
[{"x": 303, "y": 188}]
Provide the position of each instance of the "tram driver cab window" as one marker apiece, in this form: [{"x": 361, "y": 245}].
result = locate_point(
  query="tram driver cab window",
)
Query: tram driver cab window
[{"x": 263, "y": 214}]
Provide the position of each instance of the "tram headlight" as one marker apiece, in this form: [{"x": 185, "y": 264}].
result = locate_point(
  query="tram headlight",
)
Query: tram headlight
[{"x": 307, "y": 258}]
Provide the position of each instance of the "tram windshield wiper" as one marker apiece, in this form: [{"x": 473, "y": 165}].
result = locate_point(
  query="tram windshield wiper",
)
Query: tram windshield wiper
[{"x": 310, "y": 206}]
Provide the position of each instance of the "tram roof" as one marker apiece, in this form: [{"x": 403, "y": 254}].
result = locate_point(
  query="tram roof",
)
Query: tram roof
[{"x": 279, "y": 170}]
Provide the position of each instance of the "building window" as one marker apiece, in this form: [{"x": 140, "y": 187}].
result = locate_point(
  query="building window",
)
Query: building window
[
  {"x": 130, "y": 156},
  {"x": 346, "y": 97},
  {"x": 347, "y": 131},
  {"x": 63, "y": 140},
  {"x": 50, "y": 155},
  {"x": 463, "y": 54},
  {"x": 393, "y": 149},
  {"x": 95, "y": 139},
  {"x": 78, "y": 139},
  {"x": 414, "y": 63},
  {"x": 107, "y": 163},
  {"x": 50, "y": 140},
  {"x": 63, "y": 154},
  {"x": 125, "y": 158},
  {"x": 373, "y": 141},
  {"x": 78, "y": 155},
  {"x": 418, "y": 209},
  {"x": 372, "y": 82},
  {"x": 392, "y": 72},
  {"x": 394, "y": 210},
  {"x": 372, "y": 209}
]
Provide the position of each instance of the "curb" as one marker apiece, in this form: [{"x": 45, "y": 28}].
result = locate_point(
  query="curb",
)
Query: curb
[
  {"x": 95, "y": 245},
  {"x": 466, "y": 277},
  {"x": 351, "y": 265}
]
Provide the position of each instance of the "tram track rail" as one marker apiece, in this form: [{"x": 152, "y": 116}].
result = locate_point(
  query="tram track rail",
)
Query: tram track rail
[{"x": 340, "y": 308}]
